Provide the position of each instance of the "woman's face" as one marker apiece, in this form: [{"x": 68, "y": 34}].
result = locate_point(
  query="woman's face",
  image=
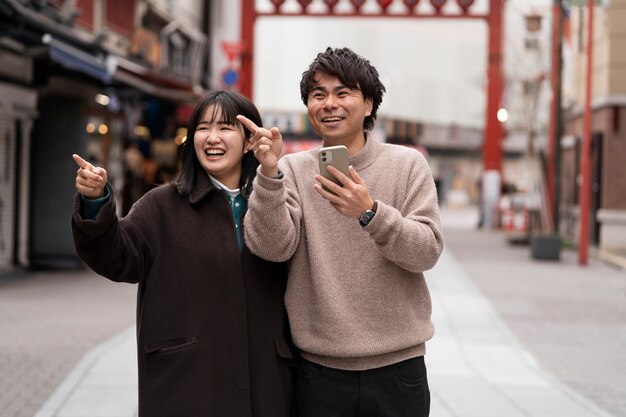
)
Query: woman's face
[{"x": 219, "y": 147}]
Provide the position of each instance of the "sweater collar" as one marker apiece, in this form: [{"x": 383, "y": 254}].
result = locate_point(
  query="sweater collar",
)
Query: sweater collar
[{"x": 366, "y": 155}]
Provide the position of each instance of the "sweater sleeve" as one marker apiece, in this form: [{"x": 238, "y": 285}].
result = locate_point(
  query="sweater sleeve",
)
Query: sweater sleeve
[
  {"x": 411, "y": 235},
  {"x": 89, "y": 207},
  {"x": 113, "y": 248},
  {"x": 272, "y": 222}
]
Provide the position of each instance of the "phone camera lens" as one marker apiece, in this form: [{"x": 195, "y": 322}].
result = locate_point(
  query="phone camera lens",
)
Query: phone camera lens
[
  {"x": 323, "y": 153},
  {"x": 323, "y": 159}
]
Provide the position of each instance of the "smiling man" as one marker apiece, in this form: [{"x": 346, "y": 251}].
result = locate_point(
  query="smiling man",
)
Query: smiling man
[{"x": 358, "y": 304}]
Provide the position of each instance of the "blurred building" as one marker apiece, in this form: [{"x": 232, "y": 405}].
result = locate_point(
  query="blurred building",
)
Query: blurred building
[
  {"x": 608, "y": 125},
  {"x": 111, "y": 80},
  {"x": 436, "y": 85}
]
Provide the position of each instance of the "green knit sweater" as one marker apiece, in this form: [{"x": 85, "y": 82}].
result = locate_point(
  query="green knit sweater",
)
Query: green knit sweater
[{"x": 356, "y": 296}]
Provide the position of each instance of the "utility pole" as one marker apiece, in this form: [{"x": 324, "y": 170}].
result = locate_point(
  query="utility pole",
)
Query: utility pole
[
  {"x": 554, "y": 148},
  {"x": 585, "y": 166}
]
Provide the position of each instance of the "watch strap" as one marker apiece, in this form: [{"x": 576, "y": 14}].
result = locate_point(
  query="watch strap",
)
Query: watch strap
[{"x": 367, "y": 215}]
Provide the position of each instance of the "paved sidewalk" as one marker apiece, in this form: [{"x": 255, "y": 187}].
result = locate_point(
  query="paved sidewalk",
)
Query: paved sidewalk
[
  {"x": 477, "y": 367},
  {"x": 48, "y": 320},
  {"x": 571, "y": 318},
  {"x": 102, "y": 384}
]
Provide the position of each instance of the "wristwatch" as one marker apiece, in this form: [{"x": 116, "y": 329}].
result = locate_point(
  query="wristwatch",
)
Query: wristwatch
[{"x": 367, "y": 216}]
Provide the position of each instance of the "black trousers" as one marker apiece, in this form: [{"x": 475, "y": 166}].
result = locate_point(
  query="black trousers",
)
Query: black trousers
[{"x": 398, "y": 390}]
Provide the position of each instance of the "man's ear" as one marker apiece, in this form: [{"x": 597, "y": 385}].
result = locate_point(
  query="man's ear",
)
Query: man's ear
[{"x": 369, "y": 104}]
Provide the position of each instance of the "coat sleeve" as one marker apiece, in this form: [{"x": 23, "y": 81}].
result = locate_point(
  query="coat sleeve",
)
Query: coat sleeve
[
  {"x": 410, "y": 236},
  {"x": 272, "y": 222},
  {"x": 114, "y": 248}
]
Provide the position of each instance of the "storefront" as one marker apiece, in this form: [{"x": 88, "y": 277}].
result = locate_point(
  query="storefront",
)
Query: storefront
[{"x": 17, "y": 111}]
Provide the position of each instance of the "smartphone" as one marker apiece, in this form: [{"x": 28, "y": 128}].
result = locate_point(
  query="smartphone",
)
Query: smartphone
[{"x": 336, "y": 156}]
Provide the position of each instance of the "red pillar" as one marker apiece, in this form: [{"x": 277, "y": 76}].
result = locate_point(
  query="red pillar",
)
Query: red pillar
[
  {"x": 585, "y": 166},
  {"x": 492, "y": 144},
  {"x": 248, "y": 17}
]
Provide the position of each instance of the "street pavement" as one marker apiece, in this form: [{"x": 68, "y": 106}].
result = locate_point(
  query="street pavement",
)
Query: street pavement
[
  {"x": 48, "y": 321},
  {"x": 514, "y": 336}
]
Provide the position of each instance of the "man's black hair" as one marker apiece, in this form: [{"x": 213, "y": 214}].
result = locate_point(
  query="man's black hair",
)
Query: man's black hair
[{"x": 353, "y": 70}]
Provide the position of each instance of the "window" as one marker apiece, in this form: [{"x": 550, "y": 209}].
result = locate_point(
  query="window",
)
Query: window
[{"x": 120, "y": 16}]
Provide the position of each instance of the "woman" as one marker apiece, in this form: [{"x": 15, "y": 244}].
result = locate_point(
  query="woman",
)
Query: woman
[{"x": 212, "y": 334}]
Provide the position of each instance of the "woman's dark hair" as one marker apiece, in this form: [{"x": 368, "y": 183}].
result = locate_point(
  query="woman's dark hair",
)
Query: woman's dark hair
[
  {"x": 353, "y": 70},
  {"x": 227, "y": 105}
]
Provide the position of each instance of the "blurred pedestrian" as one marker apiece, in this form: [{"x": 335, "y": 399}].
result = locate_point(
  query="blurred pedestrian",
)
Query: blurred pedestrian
[
  {"x": 358, "y": 304},
  {"x": 212, "y": 335}
]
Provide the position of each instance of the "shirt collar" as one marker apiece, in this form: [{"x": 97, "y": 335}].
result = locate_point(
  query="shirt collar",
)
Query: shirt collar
[{"x": 231, "y": 193}]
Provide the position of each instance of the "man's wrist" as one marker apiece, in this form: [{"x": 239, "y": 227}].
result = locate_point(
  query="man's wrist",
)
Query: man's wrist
[{"x": 367, "y": 215}]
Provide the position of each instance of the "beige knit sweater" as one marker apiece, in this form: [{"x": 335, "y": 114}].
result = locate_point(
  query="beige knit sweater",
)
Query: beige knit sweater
[{"x": 356, "y": 296}]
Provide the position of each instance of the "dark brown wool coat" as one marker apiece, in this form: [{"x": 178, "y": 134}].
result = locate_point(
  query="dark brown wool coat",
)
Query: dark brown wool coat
[{"x": 211, "y": 327}]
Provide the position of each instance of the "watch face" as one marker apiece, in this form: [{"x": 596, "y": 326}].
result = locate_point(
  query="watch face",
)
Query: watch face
[{"x": 366, "y": 217}]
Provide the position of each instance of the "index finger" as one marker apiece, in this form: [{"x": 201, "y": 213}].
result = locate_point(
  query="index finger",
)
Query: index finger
[
  {"x": 81, "y": 162},
  {"x": 252, "y": 127}
]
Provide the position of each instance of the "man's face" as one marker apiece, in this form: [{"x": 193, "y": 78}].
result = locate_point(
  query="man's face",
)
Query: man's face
[{"x": 336, "y": 112}]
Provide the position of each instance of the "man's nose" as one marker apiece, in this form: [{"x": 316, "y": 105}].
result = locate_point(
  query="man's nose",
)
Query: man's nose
[{"x": 330, "y": 102}]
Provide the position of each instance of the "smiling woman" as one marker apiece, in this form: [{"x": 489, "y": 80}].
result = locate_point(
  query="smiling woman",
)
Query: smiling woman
[
  {"x": 200, "y": 350},
  {"x": 220, "y": 146},
  {"x": 214, "y": 126}
]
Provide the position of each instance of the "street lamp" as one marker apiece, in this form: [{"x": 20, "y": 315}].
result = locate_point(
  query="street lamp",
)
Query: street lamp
[{"x": 503, "y": 115}]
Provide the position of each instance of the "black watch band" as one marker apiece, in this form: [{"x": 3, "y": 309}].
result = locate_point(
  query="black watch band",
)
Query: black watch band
[{"x": 367, "y": 216}]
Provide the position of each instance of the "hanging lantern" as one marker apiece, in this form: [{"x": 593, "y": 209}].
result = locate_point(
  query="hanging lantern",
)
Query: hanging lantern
[
  {"x": 305, "y": 4},
  {"x": 438, "y": 5},
  {"x": 331, "y": 4},
  {"x": 465, "y": 5},
  {"x": 411, "y": 4},
  {"x": 277, "y": 4},
  {"x": 384, "y": 4},
  {"x": 357, "y": 4}
]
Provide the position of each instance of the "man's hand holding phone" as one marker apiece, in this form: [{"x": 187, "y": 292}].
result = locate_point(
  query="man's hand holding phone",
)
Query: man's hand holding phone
[
  {"x": 348, "y": 194},
  {"x": 267, "y": 144}
]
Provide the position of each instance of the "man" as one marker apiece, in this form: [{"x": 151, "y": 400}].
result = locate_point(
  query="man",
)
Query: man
[{"x": 358, "y": 304}]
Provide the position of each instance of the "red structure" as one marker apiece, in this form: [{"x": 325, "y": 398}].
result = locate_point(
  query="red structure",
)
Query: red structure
[{"x": 492, "y": 144}]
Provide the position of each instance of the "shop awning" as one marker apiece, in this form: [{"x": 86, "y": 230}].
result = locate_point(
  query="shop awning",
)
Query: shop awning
[
  {"x": 78, "y": 60},
  {"x": 152, "y": 83}
]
